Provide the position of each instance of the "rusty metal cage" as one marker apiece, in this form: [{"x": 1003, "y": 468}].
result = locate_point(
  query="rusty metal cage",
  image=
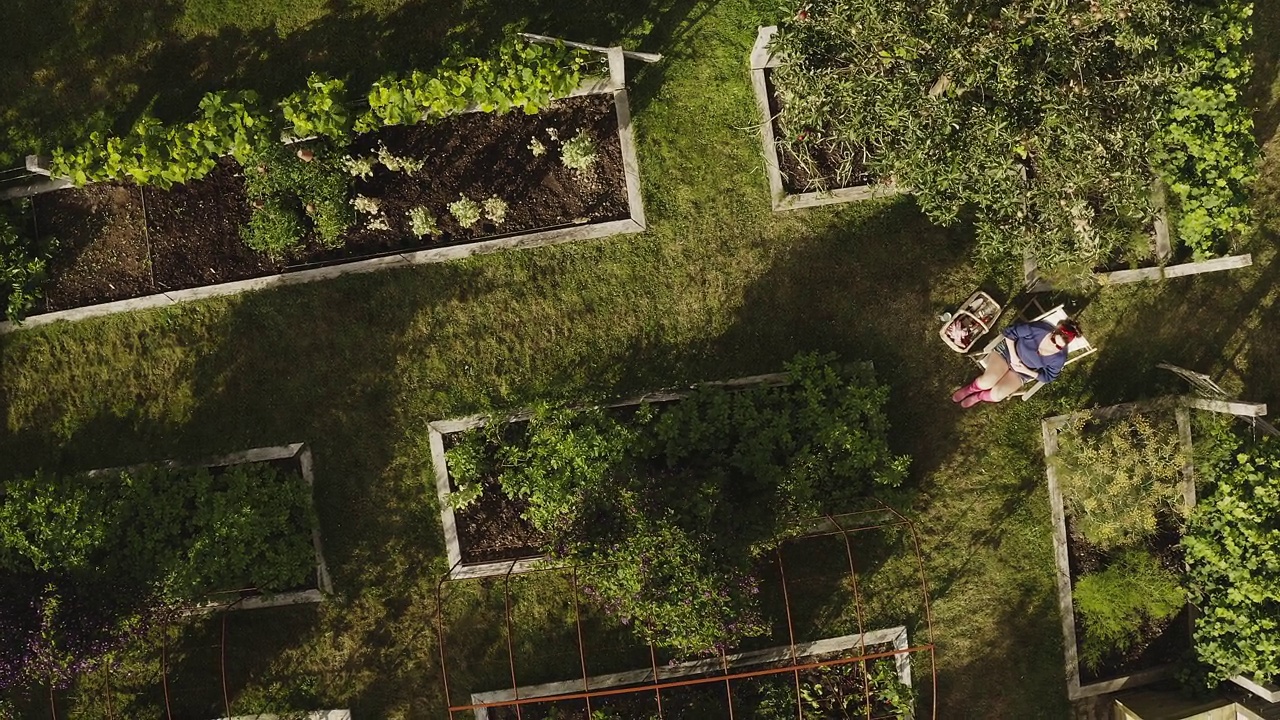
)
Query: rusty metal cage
[{"x": 657, "y": 679}]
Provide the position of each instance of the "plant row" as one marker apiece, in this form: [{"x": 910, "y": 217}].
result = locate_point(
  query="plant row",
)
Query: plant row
[
  {"x": 1119, "y": 483},
  {"x": 1039, "y": 124},
  {"x": 667, "y": 509},
  {"x": 88, "y": 561},
  {"x": 524, "y": 76}
]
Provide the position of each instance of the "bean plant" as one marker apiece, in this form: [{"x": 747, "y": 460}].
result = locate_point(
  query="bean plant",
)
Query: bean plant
[{"x": 668, "y": 508}]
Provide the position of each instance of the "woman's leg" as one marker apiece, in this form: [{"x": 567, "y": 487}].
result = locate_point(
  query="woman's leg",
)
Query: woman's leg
[
  {"x": 1006, "y": 386},
  {"x": 997, "y": 368}
]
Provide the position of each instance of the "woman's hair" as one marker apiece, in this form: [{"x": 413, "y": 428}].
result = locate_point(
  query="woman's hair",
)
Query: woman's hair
[{"x": 1070, "y": 329}]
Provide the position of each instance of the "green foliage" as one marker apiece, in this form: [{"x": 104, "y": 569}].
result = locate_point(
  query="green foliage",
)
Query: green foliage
[
  {"x": 1205, "y": 149},
  {"x": 157, "y": 154},
  {"x": 1033, "y": 119},
  {"x": 176, "y": 534},
  {"x": 1117, "y": 481},
  {"x": 666, "y": 510},
  {"x": 579, "y": 152},
  {"x": 1115, "y": 603},
  {"x": 465, "y": 210},
  {"x": 23, "y": 266},
  {"x": 495, "y": 208},
  {"x": 523, "y": 76},
  {"x": 1232, "y": 546},
  {"x": 289, "y": 195},
  {"x": 321, "y": 110}
]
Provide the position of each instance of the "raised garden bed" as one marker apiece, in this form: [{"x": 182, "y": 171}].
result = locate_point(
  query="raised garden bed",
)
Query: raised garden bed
[
  {"x": 490, "y": 537},
  {"x": 790, "y": 187},
  {"x": 1151, "y": 658},
  {"x": 551, "y": 700},
  {"x": 294, "y": 458},
  {"x": 150, "y": 248}
]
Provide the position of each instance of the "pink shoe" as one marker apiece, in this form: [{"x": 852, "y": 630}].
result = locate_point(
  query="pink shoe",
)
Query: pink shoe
[
  {"x": 965, "y": 391},
  {"x": 978, "y": 397}
]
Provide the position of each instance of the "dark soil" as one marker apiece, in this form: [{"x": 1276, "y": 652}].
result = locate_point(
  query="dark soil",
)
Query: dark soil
[
  {"x": 100, "y": 241},
  {"x": 482, "y": 156},
  {"x": 195, "y": 232},
  {"x": 194, "y": 228},
  {"x": 493, "y": 529},
  {"x": 798, "y": 179},
  {"x": 1160, "y": 643}
]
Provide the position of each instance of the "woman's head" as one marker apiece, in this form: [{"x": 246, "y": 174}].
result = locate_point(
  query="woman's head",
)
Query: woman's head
[{"x": 1066, "y": 331}]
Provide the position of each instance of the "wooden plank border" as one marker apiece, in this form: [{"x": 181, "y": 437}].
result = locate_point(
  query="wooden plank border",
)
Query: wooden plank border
[
  {"x": 635, "y": 223},
  {"x": 896, "y": 636},
  {"x": 1182, "y": 406},
  {"x": 760, "y": 60},
  {"x": 300, "y": 451}
]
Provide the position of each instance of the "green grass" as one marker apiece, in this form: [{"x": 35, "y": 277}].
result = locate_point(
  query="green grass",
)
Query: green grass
[{"x": 719, "y": 287}]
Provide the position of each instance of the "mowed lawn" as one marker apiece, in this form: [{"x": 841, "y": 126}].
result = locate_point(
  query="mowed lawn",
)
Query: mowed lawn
[{"x": 718, "y": 287}]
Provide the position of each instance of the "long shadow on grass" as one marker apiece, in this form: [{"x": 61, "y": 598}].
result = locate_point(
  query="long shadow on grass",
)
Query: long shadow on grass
[
  {"x": 91, "y": 64},
  {"x": 869, "y": 294},
  {"x": 1266, "y": 23}
]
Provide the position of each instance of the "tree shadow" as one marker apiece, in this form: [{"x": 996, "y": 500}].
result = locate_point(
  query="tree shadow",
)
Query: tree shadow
[
  {"x": 84, "y": 64},
  {"x": 1266, "y": 71}
]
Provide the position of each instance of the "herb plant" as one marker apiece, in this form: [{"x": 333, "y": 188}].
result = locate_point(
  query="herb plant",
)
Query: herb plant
[
  {"x": 1114, "y": 603},
  {"x": 1205, "y": 148},
  {"x": 666, "y": 510},
  {"x": 289, "y": 196},
  {"x": 579, "y": 152},
  {"x": 423, "y": 223},
  {"x": 361, "y": 167},
  {"x": 523, "y": 76},
  {"x": 395, "y": 163},
  {"x": 465, "y": 210},
  {"x": 495, "y": 208},
  {"x": 1117, "y": 481},
  {"x": 23, "y": 264}
]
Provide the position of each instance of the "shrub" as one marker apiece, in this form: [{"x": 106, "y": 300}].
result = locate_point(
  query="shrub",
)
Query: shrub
[
  {"x": 666, "y": 512},
  {"x": 1114, "y": 604},
  {"x": 1232, "y": 546},
  {"x": 579, "y": 152},
  {"x": 1117, "y": 482},
  {"x": 465, "y": 210},
  {"x": 1034, "y": 122}
]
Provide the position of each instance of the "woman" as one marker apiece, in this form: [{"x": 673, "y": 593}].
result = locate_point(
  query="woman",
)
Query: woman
[{"x": 1029, "y": 351}]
